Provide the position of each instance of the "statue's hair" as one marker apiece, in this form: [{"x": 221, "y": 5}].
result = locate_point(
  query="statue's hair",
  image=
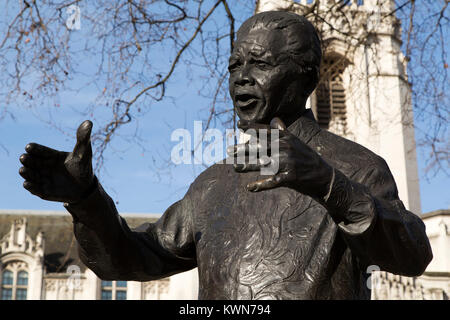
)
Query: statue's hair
[{"x": 306, "y": 57}]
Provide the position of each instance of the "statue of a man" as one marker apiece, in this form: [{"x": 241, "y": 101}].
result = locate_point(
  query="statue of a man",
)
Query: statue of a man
[{"x": 309, "y": 231}]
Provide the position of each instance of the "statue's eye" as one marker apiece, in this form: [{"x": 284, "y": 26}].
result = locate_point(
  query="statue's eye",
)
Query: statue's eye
[
  {"x": 233, "y": 65},
  {"x": 262, "y": 64}
]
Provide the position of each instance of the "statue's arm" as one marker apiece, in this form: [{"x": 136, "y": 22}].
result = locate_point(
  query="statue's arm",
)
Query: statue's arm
[
  {"x": 376, "y": 225},
  {"x": 115, "y": 252},
  {"x": 106, "y": 243}
]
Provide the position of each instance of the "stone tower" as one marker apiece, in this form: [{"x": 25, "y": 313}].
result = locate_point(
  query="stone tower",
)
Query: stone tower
[{"x": 364, "y": 93}]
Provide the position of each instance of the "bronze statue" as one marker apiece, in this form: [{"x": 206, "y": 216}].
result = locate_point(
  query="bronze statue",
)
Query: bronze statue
[{"x": 308, "y": 232}]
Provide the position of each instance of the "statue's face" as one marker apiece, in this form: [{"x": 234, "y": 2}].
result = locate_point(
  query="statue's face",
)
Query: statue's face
[{"x": 264, "y": 81}]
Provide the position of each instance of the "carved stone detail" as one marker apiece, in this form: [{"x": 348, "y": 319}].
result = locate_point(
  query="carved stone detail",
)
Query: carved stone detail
[
  {"x": 17, "y": 240},
  {"x": 153, "y": 290},
  {"x": 387, "y": 286}
]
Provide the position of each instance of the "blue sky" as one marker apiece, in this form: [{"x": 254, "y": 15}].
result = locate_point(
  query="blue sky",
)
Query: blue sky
[{"x": 137, "y": 177}]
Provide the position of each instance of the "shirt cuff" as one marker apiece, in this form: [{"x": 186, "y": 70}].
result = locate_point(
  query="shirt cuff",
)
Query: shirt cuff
[
  {"x": 350, "y": 204},
  {"x": 95, "y": 210}
]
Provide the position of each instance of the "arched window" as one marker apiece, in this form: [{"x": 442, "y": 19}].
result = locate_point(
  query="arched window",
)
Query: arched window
[
  {"x": 22, "y": 285},
  {"x": 113, "y": 290},
  {"x": 7, "y": 285},
  {"x": 329, "y": 97},
  {"x": 14, "y": 285}
]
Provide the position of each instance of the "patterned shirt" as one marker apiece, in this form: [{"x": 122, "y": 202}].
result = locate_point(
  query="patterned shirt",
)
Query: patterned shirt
[{"x": 272, "y": 244}]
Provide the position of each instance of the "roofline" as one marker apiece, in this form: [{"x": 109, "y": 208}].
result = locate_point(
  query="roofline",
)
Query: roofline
[
  {"x": 441, "y": 212},
  {"x": 140, "y": 215},
  {"x": 64, "y": 213},
  {"x": 443, "y": 274}
]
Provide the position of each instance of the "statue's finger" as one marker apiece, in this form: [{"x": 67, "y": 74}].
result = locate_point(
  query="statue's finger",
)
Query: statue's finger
[
  {"x": 264, "y": 184},
  {"x": 252, "y": 147},
  {"x": 34, "y": 188},
  {"x": 41, "y": 151},
  {"x": 264, "y": 134},
  {"x": 32, "y": 161},
  {"x": 29, "y": 174},
  {"x": 249, "y": 166},
  {"x": 277, "y": 123},
  {"x": 83, "y": 147},
  {"x": 242, "y": 149},
  {"x": 269, "y": 183},
  {"x": 246, "y": 167}
]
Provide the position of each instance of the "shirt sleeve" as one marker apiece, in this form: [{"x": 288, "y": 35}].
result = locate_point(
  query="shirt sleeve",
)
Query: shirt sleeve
[
  {"x": 375, "y": 224},
  {"x": 113, "y": 251}
]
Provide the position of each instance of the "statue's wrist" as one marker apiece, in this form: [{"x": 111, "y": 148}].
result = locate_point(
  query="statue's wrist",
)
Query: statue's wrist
[
  {"x": 86, "y": 192},
  {"x": 319, "y": 184},
  {"x": 90, "y": 187}
]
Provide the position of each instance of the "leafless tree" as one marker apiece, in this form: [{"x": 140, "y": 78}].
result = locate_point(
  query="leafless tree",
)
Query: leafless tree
[
  {"x": 138, "y": 45},
  {"x": 424, "y": 31}
]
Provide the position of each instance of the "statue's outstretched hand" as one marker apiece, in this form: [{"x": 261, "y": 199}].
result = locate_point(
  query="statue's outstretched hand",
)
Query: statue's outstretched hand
[{"x": 56, "y": 175}]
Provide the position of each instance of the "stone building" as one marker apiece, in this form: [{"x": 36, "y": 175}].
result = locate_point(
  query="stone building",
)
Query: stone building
[
  {"x": 434, "y": 284},
  {"x": 39, "y": 261}
]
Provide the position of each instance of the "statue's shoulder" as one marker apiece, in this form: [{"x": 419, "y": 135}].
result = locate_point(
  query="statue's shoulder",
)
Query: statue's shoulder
[
  {"x": 347, "y": 154},
  {"x": 359, "y": 163}
]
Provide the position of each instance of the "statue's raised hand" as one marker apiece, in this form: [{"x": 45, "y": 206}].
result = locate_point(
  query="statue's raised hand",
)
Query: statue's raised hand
[
  {"x": 56, "y": 175},
  {"x": 299, "y": 167}
]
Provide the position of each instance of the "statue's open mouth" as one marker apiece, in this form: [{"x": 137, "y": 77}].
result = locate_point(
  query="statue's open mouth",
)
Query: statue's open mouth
[{"x": 246, "y": 101}]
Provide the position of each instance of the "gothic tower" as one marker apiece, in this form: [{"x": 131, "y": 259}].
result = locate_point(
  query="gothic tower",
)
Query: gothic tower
[{"x": 364, "y": 93}]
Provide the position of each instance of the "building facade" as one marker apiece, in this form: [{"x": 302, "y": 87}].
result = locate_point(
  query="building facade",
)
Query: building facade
[
  {"x": 434, "y": 284},
  {"x": 39, "y": 261}
]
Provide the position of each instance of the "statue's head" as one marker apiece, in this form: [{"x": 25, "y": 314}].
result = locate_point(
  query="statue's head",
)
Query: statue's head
[{"x": 274, "y": 66}]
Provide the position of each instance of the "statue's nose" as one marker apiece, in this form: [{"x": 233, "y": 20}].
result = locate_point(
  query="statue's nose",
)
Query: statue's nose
[{"x": 244, "y": 77}]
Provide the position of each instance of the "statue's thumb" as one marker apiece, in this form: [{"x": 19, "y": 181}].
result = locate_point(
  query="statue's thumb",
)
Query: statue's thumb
[
  {"x": 83, "y": 149},
  {"x": 276, "y": 123}
]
